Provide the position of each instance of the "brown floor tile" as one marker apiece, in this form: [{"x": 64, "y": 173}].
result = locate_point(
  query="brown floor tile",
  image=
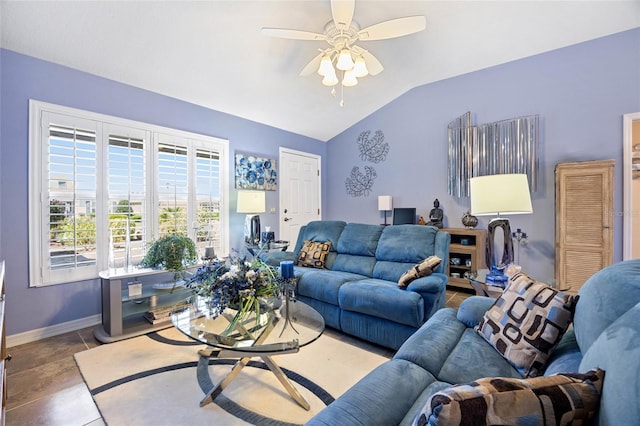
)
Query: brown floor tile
[
  {"x": 44, "y": 351},
  {"x": 49, "y": 378},
  {"x": 72, "y": 406}
]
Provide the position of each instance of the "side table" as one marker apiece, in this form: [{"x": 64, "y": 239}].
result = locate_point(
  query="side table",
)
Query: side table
[
  {"x": 273, "y": 245},
  {"x": 482, "y": 288}
]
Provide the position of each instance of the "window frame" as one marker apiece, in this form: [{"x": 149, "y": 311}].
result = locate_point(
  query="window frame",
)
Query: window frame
[{"x": 39, "y": 273}]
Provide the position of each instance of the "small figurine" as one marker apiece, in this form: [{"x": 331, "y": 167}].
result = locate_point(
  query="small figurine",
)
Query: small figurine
[
  {"x": 421, "y": 221},
  {"x": 435, "y": 215},
  {"x": 469, "y": 221}
]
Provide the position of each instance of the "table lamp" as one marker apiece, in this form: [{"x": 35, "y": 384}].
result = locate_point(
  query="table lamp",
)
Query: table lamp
[
  {"x": 504, "y": 194},
  {"x": 251, "y": 202},
  {"x": 385, "y": 204}
]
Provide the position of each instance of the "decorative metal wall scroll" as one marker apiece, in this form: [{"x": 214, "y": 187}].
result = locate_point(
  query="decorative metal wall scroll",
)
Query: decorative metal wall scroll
[
  {"x": 374, "y": 150},
  {"x": 359, "y": 184},
  {"x": 508, "y": 146}
]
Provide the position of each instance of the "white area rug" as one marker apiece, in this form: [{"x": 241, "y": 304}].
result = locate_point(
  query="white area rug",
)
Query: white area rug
[{"x": 151, "y": 380}]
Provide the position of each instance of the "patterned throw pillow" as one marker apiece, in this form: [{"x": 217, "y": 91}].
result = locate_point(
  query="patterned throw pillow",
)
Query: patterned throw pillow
[
  {"x": 561, "y": 399},
  {"x": 314, "y": 254},
  {"x": 422, "y": 269},
  {"x": 527, "y": 322}
]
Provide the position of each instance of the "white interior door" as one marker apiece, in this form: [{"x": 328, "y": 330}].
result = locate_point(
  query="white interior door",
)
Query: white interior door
[{"x": 300, "y": 192}]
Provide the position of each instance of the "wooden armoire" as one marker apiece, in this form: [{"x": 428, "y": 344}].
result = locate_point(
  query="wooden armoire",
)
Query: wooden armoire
[{"x": 584, "y": 221}]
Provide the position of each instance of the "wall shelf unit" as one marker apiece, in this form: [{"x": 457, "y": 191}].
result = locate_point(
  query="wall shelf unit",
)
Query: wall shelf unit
[
  {"x": 468, "y": 246},
  {"x": 128, "y": 313}
]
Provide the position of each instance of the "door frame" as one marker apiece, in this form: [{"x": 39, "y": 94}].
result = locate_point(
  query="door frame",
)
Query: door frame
[
  {"x": 281, "y": 215},
  {"x": 627, "y": 180}
]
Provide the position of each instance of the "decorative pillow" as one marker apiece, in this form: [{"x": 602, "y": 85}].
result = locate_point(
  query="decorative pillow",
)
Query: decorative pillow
[
  {"x": 526, "y": 322},
  {"x": 314, "y": 254},
  {"x": 422, "y": 269},
  {"x": 561, "y": 399}
]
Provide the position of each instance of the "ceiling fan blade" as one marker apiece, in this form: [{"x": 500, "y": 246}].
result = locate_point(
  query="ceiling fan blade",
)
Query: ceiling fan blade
[
  {"x": 393, "y": 28},
  {"x": 342, "y": 12},
  {"x": 373, "y": 64},
  {"x": 312, "y": 66},
  {"x": 292, "y": 34}
]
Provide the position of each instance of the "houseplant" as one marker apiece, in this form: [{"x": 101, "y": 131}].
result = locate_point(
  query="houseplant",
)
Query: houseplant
[{"x": 173, "y": 253}]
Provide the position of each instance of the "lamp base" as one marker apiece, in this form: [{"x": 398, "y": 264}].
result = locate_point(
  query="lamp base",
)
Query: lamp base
[{"x": 494, "y": 259}]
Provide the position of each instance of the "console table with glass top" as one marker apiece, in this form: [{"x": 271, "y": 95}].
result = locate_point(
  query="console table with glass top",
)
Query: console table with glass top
[{"x": 275, "y": 332}]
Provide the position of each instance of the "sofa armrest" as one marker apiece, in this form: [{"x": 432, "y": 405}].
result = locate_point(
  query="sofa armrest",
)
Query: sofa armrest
[
  {"x": 472, "y": 310},
  {"x": 274, "y": 258},
  {"x": 433, "y": 291}
]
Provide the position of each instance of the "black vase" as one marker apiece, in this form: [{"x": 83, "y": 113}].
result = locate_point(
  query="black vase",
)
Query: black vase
[{"x": 469, "y": 220}]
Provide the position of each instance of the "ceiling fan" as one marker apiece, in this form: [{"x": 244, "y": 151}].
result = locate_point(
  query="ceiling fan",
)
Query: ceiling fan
[{"x": 342, "y": 33}]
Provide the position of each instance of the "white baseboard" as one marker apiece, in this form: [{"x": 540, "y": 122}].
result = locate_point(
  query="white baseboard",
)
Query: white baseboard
[{"x": 54, "y": 330}]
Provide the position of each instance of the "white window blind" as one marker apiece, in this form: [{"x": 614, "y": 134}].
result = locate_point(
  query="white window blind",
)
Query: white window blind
[{"x": 101, "y": 188}]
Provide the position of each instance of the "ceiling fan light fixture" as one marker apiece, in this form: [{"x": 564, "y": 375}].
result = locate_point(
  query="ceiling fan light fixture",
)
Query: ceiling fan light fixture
[
  {"x": 326, "y": 66},
  {"x": 349, "y": 79},
  {"x": 360, "y": 67},
  {"x": 345, "y": 62},
  {"x": 330, "y": 79}
]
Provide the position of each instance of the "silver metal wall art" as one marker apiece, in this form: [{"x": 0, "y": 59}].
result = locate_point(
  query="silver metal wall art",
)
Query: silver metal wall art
[{"x": 507, "y": 146}]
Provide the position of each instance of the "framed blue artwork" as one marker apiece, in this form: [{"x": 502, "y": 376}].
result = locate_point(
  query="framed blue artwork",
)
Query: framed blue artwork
[{"x": 256, "y": 172}]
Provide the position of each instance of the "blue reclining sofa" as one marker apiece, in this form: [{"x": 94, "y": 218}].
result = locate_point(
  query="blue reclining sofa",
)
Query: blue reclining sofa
[
  {"x": 447, "y": 350},
  {"x": 357, "y": 290}
]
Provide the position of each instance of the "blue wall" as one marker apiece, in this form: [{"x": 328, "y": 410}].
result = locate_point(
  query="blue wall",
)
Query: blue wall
[
  {"x": 580, "y": 93},
  {"x": 23, "y": 78}
]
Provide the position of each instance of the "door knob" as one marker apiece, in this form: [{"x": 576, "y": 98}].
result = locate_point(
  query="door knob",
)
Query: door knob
[{"x": 287, "y": 219}]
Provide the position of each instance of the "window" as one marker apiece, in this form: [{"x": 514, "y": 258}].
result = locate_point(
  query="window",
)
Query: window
[{"x": 101, "y": 188}]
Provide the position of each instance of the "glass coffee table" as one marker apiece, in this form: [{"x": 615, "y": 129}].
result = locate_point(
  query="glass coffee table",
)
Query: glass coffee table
[{"x": 275, "y": 331}]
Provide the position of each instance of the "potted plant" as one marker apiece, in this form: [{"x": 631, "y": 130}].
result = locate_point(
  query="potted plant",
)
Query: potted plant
[{"x": 173, "y": 253}]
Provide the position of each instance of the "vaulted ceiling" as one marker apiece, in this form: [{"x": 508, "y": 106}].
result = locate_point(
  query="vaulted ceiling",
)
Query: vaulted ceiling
[{"x": 212, "y": 53}]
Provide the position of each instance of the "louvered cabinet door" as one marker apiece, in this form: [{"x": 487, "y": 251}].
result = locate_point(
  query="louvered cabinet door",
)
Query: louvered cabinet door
[{"x": 584, "y": 221}]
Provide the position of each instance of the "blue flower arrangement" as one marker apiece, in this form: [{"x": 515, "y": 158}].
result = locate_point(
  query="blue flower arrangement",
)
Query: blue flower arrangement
[{"x": 236, "y": 282}]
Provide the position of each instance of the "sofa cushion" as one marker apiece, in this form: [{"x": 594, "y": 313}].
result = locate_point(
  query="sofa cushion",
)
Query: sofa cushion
[
  {"x": 359, "y": 239},
  {"x": 313, "y": 254},
  {"x": 569, "y": 398},
  {"x": 320, "y": 230},
  {"x": 406, "y": 243},
  {"x": 382, "y": 299},
  {"x": 362, "y": 265},
  {"x": 600, "y": 306},
  {"x": 616, "y": 352},
  {"x": 473, "y": 358},
  {"x": 322, "y": 284},
  {"x": 422, "y": 269},
  {"x": 526, "y": 322}
]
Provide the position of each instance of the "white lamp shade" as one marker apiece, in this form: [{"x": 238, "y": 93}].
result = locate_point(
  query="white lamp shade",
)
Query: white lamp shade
[
  {"x": 385, "y": 203},
  {"x": 251, "y": 202},
  {"x": 349, "y": 79},
  {"x": 500, "y": 194},
  {"x": 344, "y": 60},
  {"x": 330, "y": 78},
  {"x": 326, "y": 66},
  {"x": 360, "y": 68}
]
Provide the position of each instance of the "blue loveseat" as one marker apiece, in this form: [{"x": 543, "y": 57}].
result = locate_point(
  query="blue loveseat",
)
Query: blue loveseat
[
  {"x": 357, "y": 291},
  {"x": 446, "y": 350}
]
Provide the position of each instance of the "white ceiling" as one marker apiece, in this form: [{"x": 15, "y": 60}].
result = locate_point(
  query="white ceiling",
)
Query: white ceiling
[{"x": 212, "y": 53}]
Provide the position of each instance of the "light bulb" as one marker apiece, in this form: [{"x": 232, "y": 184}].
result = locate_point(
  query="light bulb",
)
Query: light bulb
[
  {"x": 344, "y": 60},
  {"x": 349, "y": 79},
  {"x": 325, "y": 66},
  {"x": 360, "y": 68}
]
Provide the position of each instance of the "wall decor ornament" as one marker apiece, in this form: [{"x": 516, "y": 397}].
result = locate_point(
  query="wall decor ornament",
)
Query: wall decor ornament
[
  {"x": 359, "y": 184},
  {"x": 503, "y": 147},
  {"x": 375, "y": 149},
  {"x": 255, "y": 172}
]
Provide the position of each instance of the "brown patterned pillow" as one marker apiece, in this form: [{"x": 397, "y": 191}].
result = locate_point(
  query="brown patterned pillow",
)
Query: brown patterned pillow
[
  {"x": 314, "y": 254},
  {"x": 526, "y": 322},
  {"x": 422, "y": 269},
  {"x": 567, "y": 398}
]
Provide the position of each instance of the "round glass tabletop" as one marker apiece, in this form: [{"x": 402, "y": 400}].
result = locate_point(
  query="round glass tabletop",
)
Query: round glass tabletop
[{"x": 280, "y": 329}]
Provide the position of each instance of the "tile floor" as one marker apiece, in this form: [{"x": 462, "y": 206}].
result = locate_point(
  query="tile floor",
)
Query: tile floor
[{"x": 44, "y": 386}]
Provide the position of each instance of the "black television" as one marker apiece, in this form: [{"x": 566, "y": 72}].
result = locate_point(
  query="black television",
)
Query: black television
[{"x": 404, "y": 215}]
